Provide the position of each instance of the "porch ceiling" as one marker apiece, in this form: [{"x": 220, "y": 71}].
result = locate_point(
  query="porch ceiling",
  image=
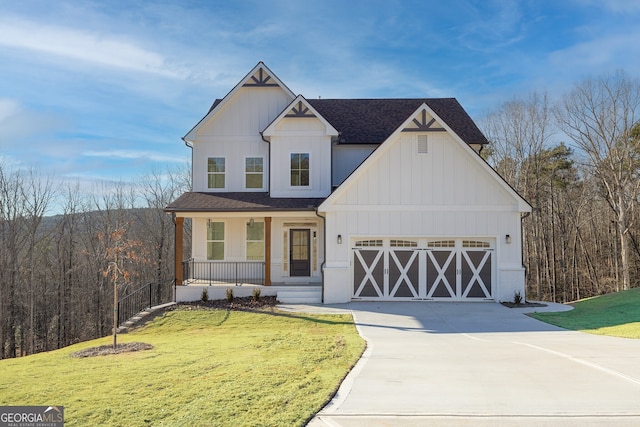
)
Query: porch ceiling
[{"x": 239, "y": 202}]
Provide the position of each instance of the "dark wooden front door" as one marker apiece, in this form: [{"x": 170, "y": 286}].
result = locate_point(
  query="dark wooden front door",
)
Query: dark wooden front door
[{"x": 299, "y": 259}]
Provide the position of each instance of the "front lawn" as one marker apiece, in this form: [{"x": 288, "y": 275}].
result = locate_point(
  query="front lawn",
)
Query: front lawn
[
  {"x": 616, "y": 314},
  {"x": 207, "y": 367}
]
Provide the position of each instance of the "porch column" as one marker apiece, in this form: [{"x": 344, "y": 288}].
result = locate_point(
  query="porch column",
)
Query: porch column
[
  {"x": 267, "y": 251},
  {"x": 178, "y": 249}
]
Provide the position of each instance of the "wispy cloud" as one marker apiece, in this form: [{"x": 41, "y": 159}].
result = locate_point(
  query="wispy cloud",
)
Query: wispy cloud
[
  {"x": 104, "y": 89},
  {"x": 79, "y": 44},
  {"x": 134, "y": 155},
  {"x": 18, "y": 123},
  {"x": 599, "y": 55},
  {"x": 615, "y": 6}
]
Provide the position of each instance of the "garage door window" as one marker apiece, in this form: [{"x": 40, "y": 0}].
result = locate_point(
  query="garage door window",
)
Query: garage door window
[
  {"x": 475, "y": 244},
  {"x": 442, "y": 244},
  {"x": 369, "y": 243},
  {"x": 403, "y": 244}
]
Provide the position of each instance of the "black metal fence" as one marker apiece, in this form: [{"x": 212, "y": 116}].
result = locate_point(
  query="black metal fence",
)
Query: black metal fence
[
  {"x": 212, "y": 272},
  {"x": 144, "y": 297}
]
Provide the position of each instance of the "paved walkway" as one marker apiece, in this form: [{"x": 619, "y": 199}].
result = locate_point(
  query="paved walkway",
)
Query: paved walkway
[{"x": 480, "y": 364}]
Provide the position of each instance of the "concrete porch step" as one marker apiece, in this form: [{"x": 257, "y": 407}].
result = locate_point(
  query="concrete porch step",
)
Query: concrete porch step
[{"x": 300, "y": 294}]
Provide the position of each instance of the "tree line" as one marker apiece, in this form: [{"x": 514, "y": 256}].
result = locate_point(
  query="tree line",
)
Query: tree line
[
  {"x": 577, "y": 162},
  {"x": 55, "y": 281}
]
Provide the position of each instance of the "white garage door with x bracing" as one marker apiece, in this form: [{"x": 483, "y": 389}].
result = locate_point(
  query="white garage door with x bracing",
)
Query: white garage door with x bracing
[{"x": 394, "y": 269}]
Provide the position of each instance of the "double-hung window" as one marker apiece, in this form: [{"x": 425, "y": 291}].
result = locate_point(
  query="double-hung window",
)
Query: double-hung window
[
  {"x": 253, "y": 172},
  {"x": 215, "y": 241},
  {"x": 216, "y": 172},
  {"x": 255, "y": 241},
  {"x": 299, "y": 169}
]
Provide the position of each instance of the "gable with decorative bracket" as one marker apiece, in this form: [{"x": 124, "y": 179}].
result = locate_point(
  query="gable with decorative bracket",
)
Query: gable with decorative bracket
[
  {"x": 424, "y": 123},
  {"x": 261, "y": 79},
  {"x": 300, "y": 110}
]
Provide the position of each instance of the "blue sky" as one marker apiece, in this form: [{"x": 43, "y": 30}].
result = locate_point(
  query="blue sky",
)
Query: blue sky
[{"x": 104, "y": 90}]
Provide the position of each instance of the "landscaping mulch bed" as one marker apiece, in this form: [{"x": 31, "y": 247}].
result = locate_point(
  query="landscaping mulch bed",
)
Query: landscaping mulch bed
[
  {"x": 104, "y": 350},
  {"x": 523, "y": 304},
  {"x": 244, "y": 304}
]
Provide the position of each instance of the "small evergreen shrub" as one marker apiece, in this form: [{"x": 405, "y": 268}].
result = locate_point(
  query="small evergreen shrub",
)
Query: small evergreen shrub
[
  {"x": 205, "y": 295},
  {"x": 256, "y": 294},
  {"x": 517, "y": 298},
  {"x": 229, "y": 295}
]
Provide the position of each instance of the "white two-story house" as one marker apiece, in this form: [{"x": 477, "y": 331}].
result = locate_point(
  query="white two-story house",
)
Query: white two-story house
[{"x": 336, "y": 200}]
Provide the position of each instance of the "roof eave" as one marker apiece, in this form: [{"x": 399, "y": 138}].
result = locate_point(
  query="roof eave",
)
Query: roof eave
[{"x": 263, "y": 209}]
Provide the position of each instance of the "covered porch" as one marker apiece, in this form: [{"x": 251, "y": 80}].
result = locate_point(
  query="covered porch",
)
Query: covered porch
[{"x": 247, "y": 240}]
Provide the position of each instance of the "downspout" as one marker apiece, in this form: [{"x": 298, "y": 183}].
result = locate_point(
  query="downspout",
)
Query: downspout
[
  {"x": 522, "y": 217},
  {"x": 324, "y": 250},
  {"x": 190, "y": 145},
  {"x": 269, "y": 160}
]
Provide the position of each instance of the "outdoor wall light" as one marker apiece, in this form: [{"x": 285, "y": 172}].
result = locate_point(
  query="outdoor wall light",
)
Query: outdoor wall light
[
  {"x": 507, "y": 239},
  {"x": 339, "y": 239}
]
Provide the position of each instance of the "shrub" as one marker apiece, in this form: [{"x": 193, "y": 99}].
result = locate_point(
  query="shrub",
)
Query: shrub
[
  {"x": 517, "y": 298},
  {"x": 256, "y": 294},
  {"x": 205, "y": 295},
  {"x": 229, "y": 295}
]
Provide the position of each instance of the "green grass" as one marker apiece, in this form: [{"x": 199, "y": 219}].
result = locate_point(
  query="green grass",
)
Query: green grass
[
  {"x": 207, "y": 368},
  {"x": 615, "y": 314}
]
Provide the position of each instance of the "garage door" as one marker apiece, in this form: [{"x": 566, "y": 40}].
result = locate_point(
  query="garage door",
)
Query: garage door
[{"x": 395, "y": 269}]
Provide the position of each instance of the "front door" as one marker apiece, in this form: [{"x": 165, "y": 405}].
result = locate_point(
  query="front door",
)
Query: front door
[{"x": 299, "y": 256}]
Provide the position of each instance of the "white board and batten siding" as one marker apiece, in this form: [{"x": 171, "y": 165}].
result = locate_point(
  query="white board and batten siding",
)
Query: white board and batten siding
[
  {"x": 300, "y": 135},
  {"x": 444, "y": 193},
  {"x": 235, "y": 135}
]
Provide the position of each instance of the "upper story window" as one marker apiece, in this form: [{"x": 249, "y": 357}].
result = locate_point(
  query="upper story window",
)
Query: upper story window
[
  {"x": 215, "y": 241},
  {"x": 299, "y": 169},
  {"x": 253, "y": 172},
  {"x": 216, "y": 172}
]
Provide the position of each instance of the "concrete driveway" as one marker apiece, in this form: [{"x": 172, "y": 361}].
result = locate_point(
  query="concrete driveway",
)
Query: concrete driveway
[{"x": 482, "y": 364}]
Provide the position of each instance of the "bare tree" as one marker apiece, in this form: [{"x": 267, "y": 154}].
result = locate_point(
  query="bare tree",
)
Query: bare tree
[
  {"x": 13, "y": 244},
  {"x": 37, "y": 195},
  {"x": 519, "y": 131},
  {"x": 599, "y": 115}
]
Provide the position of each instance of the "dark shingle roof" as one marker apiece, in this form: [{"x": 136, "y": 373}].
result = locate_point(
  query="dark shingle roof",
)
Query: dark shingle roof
[
  {"x": 214, "y": 105},
  {"x": 194, "y": 201},
  {"x": 372, "y": 121}
]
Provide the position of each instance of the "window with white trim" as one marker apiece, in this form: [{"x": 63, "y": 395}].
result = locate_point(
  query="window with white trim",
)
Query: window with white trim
[
  {"x": 215, "y": 241},
  {"x": 216, "y": 172},
  {"x": 299, "y": 169},
  {"x": 253, "y": 171},
  {"x": 255, "y": 241}
]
